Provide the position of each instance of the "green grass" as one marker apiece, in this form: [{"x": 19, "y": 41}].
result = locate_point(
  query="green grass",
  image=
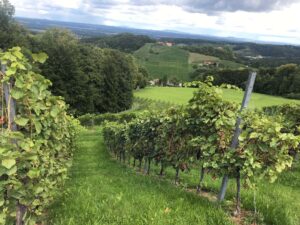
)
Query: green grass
[
  {"x": 277, "y": 203},
  {"x": 102, "y": 191},
  {"x": 182, "y": 95}
]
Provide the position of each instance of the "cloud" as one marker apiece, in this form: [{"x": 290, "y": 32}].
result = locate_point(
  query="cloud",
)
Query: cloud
[
  {"x": 255, "y": 19},
  {"x": 214, "y": 6},
  {"x": 42, "y": 12},
  {"x": 200, "y": 6}
]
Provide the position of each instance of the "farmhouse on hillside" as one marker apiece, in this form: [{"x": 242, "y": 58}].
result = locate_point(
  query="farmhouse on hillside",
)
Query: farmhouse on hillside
[{"x": 168, "y": 44}]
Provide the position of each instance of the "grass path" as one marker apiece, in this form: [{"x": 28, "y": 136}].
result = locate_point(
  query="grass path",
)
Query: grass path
[{"x": 103, "y": 191}]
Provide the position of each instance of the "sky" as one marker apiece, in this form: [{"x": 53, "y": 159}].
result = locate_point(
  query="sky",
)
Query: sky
[{"x": 261, "y": 20}]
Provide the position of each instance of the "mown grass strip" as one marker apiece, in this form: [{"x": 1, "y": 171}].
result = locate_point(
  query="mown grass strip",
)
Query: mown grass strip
[{"x": 102, "y": 191}]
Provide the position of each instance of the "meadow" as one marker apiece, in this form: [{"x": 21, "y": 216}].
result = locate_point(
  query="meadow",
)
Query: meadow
[{"x": 177, "y": 95}]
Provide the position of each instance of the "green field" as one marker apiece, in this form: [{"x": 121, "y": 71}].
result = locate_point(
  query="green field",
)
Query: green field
[{"x": 178, "y": 95}]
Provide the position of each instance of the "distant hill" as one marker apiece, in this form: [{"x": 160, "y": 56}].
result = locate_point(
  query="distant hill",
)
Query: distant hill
[
  {"x": 94, "y": 30},
  {"x": 246, "y": 51},
  {"x": 125, "y": 42}
]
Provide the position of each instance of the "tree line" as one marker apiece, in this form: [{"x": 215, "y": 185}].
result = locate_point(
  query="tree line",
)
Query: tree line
[
  {"x": 282, "y": 81},
  {"x": 125, "y": 42},
  {"x": 91, "y": 79},
  {"x": 222, "y": 52}
]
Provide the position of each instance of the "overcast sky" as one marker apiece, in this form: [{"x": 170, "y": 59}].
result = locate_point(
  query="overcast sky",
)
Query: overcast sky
[{"x": 263, "y": 20}]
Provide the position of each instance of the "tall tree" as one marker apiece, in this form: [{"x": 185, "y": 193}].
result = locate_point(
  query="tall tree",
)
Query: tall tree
[
  {"x": 11, "y": 33},
  {"x": 92, "y": 80},
  {"x": 118, "y": 73},
  {"x": 63, "y": 69}
]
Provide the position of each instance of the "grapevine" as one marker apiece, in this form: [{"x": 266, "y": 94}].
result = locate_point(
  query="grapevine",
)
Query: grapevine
[
  {"x": 200, "y": 134},
  {"x": 36, "y": 144}
]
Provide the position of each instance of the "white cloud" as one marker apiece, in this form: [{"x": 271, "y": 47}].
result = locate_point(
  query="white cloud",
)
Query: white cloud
[
  {"x": 280, "y": 24},
  {"x": 42, "y": 12},
  {"x": 214, "y": 6},
  {"x": 73, "y": 4},
  {"x": 42, "y": 4}
]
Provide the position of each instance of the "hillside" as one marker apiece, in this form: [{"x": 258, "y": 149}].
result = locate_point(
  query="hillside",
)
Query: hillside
[
  {"x": 196, "y": 58},
  {"x": 163, "y": 61},
  {"x": 183, "y": 95}
]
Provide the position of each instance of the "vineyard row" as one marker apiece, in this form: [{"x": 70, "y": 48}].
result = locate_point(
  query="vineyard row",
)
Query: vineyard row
[{"x": 200, "y": 134}]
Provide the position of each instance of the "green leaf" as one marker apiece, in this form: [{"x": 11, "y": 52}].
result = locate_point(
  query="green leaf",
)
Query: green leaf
[
  {"x": 17, "y": 94},
  {"x": 40, "y": 57},
  {"x": 11, "y": 71},
  {"x": 32, "y": 157},
  {"x": 21, "y": 121},
  {"x": 39, "y": 190},
  {"x": 2, "y": 150},
  {"x": 16, "y": 49},
  {"x": 38, "y": 126},
  {"x": 19, "y": 83},
  {"x": 10, "y": 57},
  {"x": 8, "y": 163},
  {"x": 33, "y": 173},
  {"x": 18, "y": 53},
  {"x": 54, "y": 111},
  {"x": 253, "y": 135},
  {"x": 25, "y": 146},
  {"x": 12, "y": 171}
]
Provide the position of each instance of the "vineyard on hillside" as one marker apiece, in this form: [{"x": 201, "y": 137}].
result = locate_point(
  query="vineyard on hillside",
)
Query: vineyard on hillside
[
  {"x": 199, "y": 136},
  {"x": 163, "y": 61},
  {"x": 37, "y": 140}
]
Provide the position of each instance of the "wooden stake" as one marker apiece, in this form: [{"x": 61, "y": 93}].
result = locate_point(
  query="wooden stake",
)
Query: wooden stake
[
  {"x": 11, "y": 111},
  {"x": 10, "y": 102}
]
